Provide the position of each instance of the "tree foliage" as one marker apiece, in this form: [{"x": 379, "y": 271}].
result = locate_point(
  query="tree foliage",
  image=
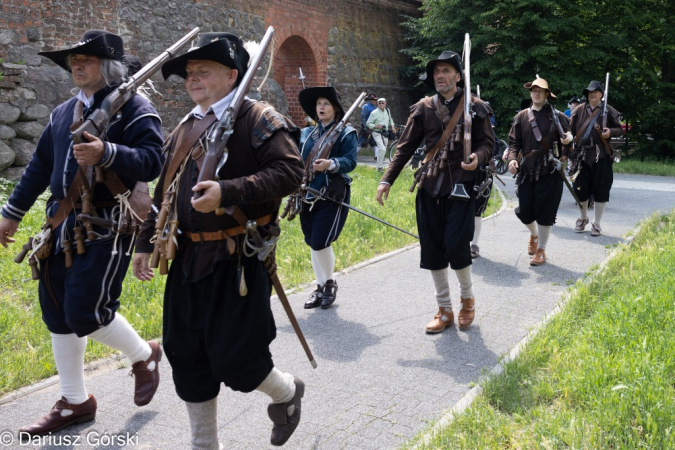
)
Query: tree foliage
[{"x": 569, "y": 44}]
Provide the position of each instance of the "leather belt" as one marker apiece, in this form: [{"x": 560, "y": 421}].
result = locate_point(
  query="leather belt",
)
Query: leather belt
[{"x": 220, "y": 235}]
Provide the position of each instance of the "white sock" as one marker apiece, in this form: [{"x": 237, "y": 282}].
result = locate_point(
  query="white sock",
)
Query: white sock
[
  {"x": 323, "y": 262},
  {"x": 278, "y": 385},
  {"x": 68, "y": 350},
  {"x": 544, "y": 233},
  {"x": 204, "y": 424},
  {"x": 599, "y": 209},
  {"x": 479, "y": 226},
  {"x": 119, "y": 335},
  {"x": 533, "y": 228},
  {"x": 442, "y": 286},
  {"x": 465, "y": 282},
  {"x": 584, "y": 210}
]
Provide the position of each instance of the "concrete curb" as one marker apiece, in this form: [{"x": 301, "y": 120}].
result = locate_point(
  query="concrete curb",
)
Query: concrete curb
[{"x": 477, "y": 390}]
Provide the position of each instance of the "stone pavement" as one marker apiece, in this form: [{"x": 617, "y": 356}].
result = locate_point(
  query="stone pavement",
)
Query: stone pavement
[{"x": 380, "y": 379}]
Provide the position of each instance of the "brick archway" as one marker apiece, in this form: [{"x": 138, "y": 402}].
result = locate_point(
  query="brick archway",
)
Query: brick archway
[{"x": 295, "y": 53}]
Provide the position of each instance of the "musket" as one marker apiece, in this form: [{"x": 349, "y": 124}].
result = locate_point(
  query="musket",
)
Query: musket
[
  {"x": 318, "y": 194},
  {"x": 468, "y": 111},
  {"x": 266, "y": 255},
  {"x": 326, "y": 143},
  {"x": 216, "y": 154},
  {"x": 98, "y": 120},
  {"x": 302, "y": 78},
  {"x": 558, "y": 167},
  {"x": 599, "y": 129}
]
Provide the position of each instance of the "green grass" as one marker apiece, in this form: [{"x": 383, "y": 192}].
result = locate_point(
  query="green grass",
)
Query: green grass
[
  {"x": 599, "y": 375},
  {"x": 632, "y": 165}
]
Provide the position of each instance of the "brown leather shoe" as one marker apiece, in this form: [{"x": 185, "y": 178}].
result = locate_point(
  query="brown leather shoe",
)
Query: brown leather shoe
[
  {"x": 595, "y": 229},
  {"x": 444, "y": 318},
  {"x": 539, "y": 258},
  {"x": 59, "y": 417},
  {"x": 467, "y": 313},
  {"x": 146, "y": 374},
  {"x": 580, "y": 226},
  {"x": 286, "y": 416},
  {"x": 532, "y": 245},
  {"x": 315, "y": 298}
]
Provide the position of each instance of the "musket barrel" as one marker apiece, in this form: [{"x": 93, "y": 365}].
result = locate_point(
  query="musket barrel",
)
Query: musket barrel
[{"x": 149, "y": 69}]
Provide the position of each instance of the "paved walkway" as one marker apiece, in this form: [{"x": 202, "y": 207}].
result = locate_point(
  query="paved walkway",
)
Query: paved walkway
[{"x": 380, "y": 379}]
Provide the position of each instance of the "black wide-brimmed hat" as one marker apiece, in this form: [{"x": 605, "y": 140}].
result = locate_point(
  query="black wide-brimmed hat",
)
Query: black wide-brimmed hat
[
  {"x": 575, "y": 99},
  {"x": 371, "y": 97},
  {"x": 309, "y": 96},
  {"x": 224, "y": 48},
  {"x": 594, "y": 86},
  {"x": 103, "y": 44},
  {"x": 447, "y": 56},
  {"x": 540, "y": 82}
]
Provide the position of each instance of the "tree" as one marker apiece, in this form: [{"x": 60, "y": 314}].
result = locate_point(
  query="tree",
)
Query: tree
[{"x": 567, "y": 43}]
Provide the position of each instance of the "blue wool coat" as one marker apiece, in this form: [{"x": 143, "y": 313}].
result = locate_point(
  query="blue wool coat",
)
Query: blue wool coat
[
  {"x": 133, "y": 147},
  {"x": 343, "y": 153}
]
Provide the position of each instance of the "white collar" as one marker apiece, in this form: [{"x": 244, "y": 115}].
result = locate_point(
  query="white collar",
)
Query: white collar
[
  {"x": 218, "y": 107},
  {"x": 88, "y": 101}
]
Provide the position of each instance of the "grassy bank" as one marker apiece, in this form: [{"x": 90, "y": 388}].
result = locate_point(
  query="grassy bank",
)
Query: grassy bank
[
  {"x": 601, "y": 374},
  {"x": 25, "y": 347},
  {"x": 632, "y": 165}
]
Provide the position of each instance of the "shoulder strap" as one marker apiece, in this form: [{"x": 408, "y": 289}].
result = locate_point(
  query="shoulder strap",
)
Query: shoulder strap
[
  {"x": 448, "y": 131},
  {"x": 186, "y": 145},
  {"x": 533, "y": 124},
  {"x": 586, "y": 125}
]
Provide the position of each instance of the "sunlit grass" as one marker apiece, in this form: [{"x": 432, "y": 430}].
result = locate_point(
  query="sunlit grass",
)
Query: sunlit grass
[
  {"x": 633, "y": 165},
  {"x": 601, "y": 374}
]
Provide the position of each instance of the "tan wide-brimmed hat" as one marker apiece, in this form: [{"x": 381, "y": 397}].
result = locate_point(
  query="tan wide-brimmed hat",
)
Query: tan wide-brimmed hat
[{"x": 540, "y": 82}]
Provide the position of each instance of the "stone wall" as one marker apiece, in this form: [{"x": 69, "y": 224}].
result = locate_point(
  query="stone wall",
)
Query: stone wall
[{"x": 350, "y": 44}]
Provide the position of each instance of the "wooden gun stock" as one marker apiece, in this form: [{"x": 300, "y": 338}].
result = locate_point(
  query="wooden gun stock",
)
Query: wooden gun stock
[{"x": 28, "y": 246}]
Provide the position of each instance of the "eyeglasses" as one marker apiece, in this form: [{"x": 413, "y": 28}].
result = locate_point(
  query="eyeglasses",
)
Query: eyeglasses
[{"x": 382, "y": 103}]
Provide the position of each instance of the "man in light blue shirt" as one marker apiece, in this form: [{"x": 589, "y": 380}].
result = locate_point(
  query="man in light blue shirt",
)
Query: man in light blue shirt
[{"x": 380, "y": 122}]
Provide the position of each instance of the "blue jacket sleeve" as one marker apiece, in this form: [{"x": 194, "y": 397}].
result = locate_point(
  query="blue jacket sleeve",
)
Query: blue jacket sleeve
[
  {"x": 137, "y": 155},
  {"x": 344, "y": 152}
]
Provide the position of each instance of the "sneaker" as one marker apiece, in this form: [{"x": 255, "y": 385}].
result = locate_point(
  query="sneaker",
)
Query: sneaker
[
  {"x": 532, "y": 245},
  {"x": 539, "y": 258},
  {"x": 581, "y": 225},
  {"x": 467, "y": 313},
  {"x": 595, "y": 229},
  {"x": 444, "y": 318},
  {"x": 286, "y": 416}
]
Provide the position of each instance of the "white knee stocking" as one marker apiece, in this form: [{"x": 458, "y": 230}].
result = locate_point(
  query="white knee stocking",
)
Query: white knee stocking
[
  {"x": 544, "y": 234},
  {"x": 465, "y": 282},
  {"x": 584, "y": 210},
  {"x": 323, "y": 262},
  {"x": 68, "y": 350},
  {"x": 119, "y": 335},
  {"x": 442, "y": 288},
  {"x": 204, "y": 424},
  {"x": 479, "y": 228},
  {"x": 599, "y": 209},
  {"x": 278, "y": 385}
]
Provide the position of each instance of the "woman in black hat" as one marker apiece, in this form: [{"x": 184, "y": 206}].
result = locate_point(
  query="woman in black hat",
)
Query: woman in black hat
[{"x": 322, "y": 221}]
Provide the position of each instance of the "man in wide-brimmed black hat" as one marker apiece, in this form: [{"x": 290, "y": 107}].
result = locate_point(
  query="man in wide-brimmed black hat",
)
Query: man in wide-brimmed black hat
[
  {"x": 80, "y": 297},
  {"x": 218, "y": 323},
  {"x": 533, "y": 140},
  {"x": 593, "y": 161},
  {"x": 445, "y": 223}
]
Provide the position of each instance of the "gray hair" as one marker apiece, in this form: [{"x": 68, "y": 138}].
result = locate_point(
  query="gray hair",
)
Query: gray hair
[{"x": 113, "y": 72}]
